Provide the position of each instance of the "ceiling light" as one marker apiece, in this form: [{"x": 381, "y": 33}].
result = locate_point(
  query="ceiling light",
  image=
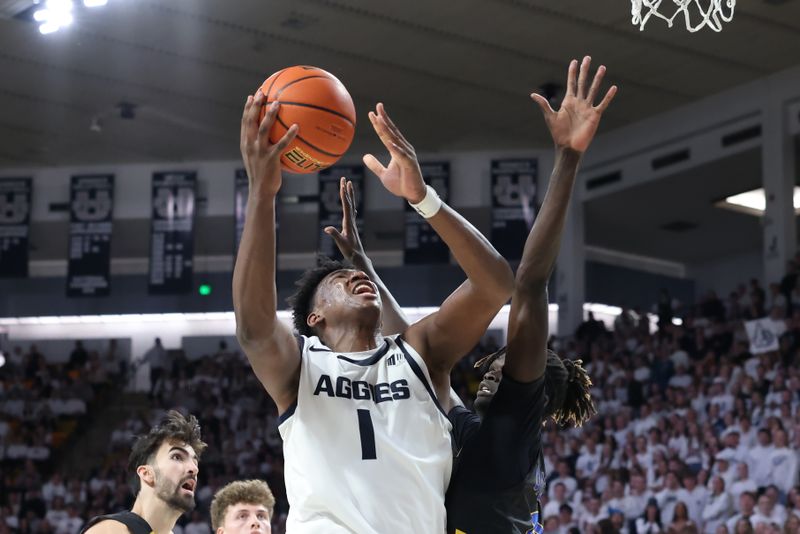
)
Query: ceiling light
[
  {"x": 48, "y": 27},
  {"x": 753, "y": 202}
]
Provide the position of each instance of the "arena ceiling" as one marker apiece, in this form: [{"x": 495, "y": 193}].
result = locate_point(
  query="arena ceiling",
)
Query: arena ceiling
[{"x": 455, "y": 75}]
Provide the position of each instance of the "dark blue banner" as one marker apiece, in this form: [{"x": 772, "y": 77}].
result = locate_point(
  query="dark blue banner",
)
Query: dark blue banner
[
  {"x": 422, "y": 244},
  {"x": 172, "y": 232},
  {"x": 15, "y": 218},
  {"x": 330, "y": 205},
  {"x": 513, "y": 204},
  {"x": 91, "y": 214},
  {"x": 241, "y": 190}
]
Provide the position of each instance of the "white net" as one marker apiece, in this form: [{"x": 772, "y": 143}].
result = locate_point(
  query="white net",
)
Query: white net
[{"x": 698, "y": 14}]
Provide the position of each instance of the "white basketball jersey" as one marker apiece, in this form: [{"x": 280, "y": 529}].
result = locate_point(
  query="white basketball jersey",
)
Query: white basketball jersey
[{"x": 367, "y": 447}]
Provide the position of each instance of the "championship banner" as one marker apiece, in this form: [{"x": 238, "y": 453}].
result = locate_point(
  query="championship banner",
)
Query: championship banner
[
  {"x": 172, "y": 232},
  {"x": 241, "y": 190},
  {"x": 91, "y": 213},
  {"x": 15, "y": 218},
  {"x": 764, "y": 334},
  {"x": 422, "y": 244},
  {"x": 513, "y": 204},
  {"x": 330, "y": 205}
]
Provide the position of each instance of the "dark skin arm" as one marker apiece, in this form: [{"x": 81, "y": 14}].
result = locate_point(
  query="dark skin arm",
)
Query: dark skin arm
[
  {"x": 268, "y": 343},
  {"x": 349, "y": 243},
  {"x": 573, "y": 127},
  {"x": 443, "y": 337}
]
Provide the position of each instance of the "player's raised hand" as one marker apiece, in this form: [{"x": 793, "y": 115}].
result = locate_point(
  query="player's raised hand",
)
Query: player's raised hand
[
  {"x": 262, "y": 159},
  {"x": 347, "y": 239},
  {"x": 575, "y": 123},
  {"x": 402, "y": 177}
]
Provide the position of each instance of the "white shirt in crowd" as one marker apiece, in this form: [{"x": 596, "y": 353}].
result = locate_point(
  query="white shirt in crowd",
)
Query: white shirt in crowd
[
  {"x": 740, "y": 486},
  {"x": 783, "y": 468},
  {"x": 569, "y": 483},
  {"x": 716, "y": 511},
  {"x": 760, "y": 463},
  {"x": 695, "y": 502},
  {"x": 667, "y": 499}
]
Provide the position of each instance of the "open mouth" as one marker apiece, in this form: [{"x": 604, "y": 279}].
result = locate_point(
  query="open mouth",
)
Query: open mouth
[
  {"x": 189, "y": 486},
  {"x": 483, "y": 390},
  {"x": 364, "y": 288}
]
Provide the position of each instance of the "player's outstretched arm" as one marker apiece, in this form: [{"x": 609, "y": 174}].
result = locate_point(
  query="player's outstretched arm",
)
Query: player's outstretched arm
[
  {"x": 269, "y": 344},
  {"x": 445, "y": 336},
  {"x": 349, "y": 243},
  {"x": 573, "y": 127}
]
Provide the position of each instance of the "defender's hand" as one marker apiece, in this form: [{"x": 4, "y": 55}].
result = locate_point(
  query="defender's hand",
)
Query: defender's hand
[
  {"x": 403, "y": 176},
  {"x": 574, "y": 125},
  {"x": 347, "y": 240}
]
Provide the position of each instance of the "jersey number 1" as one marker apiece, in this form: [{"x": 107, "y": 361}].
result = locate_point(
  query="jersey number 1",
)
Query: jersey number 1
[{"x": 367, "y": 433}]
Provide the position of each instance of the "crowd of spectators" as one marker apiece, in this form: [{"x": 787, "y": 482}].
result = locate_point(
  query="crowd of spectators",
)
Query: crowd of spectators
[
  {"x": 43, "y": 405},
  {"x": 694, "y": 433}
]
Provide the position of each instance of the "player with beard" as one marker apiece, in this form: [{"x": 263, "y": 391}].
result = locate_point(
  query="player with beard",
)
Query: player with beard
[
  {"x": 498, "y": 473},
  {"x": 165, "y": 464}
]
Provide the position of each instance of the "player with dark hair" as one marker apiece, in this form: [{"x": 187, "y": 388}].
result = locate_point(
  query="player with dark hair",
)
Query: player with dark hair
[
  {"x": 242, "y": 507},
  {"x": 165, "y": 464},
  {"x": 362, "y": 415},
  {"x": 499, "y": 473}
]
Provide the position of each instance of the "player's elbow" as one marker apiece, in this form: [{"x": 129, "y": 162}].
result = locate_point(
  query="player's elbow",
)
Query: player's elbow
[
  {"x": 503, "y": 281},
  {"x": 532, "y": 280}
]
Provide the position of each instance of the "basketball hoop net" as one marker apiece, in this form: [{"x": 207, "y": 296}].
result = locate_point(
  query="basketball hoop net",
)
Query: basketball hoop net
[{"x": 718, "y": 11}]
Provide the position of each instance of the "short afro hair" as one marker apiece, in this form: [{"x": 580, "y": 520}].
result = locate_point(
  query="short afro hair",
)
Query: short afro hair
[
  {"x": 174, "y": 427},
  {"x": 302, "y": 301},
  {"x": 240, "y": 492}
]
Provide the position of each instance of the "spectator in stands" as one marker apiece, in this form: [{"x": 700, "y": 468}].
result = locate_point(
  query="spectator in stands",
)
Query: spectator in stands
[
  {"x": 553, "y": 506},
  {"x": 743, "y": 482},
  {"x": 681, "y": 520},
  {"x": 784, "y": 463},
  {"x": 564, "y": 477},
  {"x": 650, "y": 522},
  {"x": 156, "y": 356},
  {"x": 718, "y": 507},
  {"x": 78, "y": 357},
  {"x": 747, "y": 504},
  {"x": 760, "y": 466},
  {"x": 767, "y": 512}
]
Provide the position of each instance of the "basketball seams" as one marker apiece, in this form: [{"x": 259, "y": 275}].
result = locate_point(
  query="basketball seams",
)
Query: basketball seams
[
  {"x": 271, "y": 85},
  {"x": 321, "y": 103},
  {"x": 319, "y": 108},
  {"x": 300, "y": 138}
]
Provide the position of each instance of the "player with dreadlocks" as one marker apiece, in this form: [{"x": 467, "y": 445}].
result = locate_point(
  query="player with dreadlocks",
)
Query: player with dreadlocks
[{"x": 498, "y": 473}]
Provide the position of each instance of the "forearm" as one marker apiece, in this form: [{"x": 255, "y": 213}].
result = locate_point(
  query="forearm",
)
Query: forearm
[
  {"x": 486, "y": 270},
  {"x": 544, "y": 241},
  {"x": 394, "y": 320},
  {"x": 254, "y": 291}
]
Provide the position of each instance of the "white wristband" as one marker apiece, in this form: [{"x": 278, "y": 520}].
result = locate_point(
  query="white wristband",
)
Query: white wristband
[{"x": 430, "y": 205}]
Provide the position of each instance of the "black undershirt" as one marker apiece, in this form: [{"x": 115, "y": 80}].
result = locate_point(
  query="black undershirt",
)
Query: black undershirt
[
  {"x": 135, "y": 523},
  {"x": 498, "y": 469}
]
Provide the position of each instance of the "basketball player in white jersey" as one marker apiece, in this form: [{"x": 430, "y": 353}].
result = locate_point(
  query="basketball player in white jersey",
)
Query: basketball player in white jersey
[{"x": 366, "y": 439}]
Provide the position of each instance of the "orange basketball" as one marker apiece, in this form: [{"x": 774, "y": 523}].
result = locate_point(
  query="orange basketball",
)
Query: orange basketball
[{"x": 320, "y": 105}]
